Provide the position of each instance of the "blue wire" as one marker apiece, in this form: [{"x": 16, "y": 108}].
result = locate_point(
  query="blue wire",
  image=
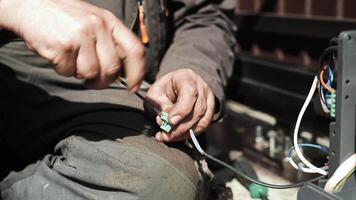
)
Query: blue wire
[
  {"x": 331, "y": 74},
  {"x": 316, "y": 146},
  {"x": 322, "y": 94},
  {"x": 329, "y": 82}
]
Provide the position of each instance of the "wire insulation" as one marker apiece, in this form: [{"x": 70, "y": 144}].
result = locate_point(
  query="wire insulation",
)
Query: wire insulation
[
  {"x": 323, "y": 83},
  {"x": 340, "y": 173},
  {"x": 343, "y": 181},
  {"x": 304, "y": 169},
  {"x": 264, "y": 184},
  {"x": 322, "y": 99},
  {"x": 296, "y": 131}
]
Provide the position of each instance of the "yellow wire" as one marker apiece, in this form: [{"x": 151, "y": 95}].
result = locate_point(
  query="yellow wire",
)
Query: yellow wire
[{"x": 343, "y": 181}]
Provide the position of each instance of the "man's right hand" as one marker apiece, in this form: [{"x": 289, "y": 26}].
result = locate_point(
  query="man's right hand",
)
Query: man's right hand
[{"x": 80, "y": 39}]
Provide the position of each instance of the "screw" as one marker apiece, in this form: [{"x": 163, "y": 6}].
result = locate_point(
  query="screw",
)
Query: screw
[{"x": 347, "y": 37}]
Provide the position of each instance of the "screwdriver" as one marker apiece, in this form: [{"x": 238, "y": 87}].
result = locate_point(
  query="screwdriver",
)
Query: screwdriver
[
  {"x": 165, "y": 126},
  {"x": 139, "y": 95},
  {"x": 256, "y": 191}
]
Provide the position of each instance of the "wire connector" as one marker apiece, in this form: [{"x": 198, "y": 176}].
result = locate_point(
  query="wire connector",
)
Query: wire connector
[
  {"x": 165, "y": 126},
  {"x": 333, "y": 105}
]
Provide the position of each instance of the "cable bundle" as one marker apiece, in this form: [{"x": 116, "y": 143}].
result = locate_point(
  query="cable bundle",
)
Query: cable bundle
[{"x": 327, "y": 81}]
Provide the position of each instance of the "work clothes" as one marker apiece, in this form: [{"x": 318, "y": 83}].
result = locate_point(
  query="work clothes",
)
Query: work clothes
[{"x": 63, "y": 141}]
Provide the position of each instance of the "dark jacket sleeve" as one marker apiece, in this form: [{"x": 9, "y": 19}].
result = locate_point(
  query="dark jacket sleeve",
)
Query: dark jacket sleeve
[{"x": 204, "y": 42}]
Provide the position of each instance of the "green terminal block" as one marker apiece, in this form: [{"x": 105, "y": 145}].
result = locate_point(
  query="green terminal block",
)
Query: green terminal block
[
  {"x": 165, "y": 126},
  {"x": 333, "y": 105}
]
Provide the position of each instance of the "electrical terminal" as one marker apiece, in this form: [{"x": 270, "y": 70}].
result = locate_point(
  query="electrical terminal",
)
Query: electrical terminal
[
  {"x": 165, "y": 126},
  {"x": 333, "y": 104}
]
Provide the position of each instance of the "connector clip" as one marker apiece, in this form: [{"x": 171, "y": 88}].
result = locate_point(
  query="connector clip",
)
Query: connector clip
[{"x": 165, "y": 126}]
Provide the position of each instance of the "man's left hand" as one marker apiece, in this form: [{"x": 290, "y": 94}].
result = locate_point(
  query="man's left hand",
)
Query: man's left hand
[{"x": 188, "y": 100}]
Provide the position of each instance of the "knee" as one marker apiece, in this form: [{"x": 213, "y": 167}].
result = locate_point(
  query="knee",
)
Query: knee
[{"x": 120, "y": 165}]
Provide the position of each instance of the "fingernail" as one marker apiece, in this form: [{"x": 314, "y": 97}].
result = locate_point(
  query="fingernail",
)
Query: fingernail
[
  {"x": 158, "y": 120},
  {"x": 175, "y": 119},
  {"x": 158, "y": 136}
]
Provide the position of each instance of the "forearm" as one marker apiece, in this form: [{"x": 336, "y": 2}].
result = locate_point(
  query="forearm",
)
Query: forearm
[
  {"x": 203, "y": 42},
  {"x": 206, "y": 50}
]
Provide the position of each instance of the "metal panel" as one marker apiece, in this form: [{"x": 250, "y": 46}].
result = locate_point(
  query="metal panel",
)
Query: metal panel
[
  {"x": 344, "y": 139},
  {"x": 342, "y": 132},
  {"x": 316, "y": 27},
  {"x": 314, "y": 192}
]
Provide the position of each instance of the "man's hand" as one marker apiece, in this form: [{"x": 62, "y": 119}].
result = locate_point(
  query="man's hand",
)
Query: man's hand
[
  {"x": 188, "y": 100},
  {"x": 80, "y": 39}
]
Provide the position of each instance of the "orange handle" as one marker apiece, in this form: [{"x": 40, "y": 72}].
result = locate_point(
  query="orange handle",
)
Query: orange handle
[{"x": 143, "y": 28}]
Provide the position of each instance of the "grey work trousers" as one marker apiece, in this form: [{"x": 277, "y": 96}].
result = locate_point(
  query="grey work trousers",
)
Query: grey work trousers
[{"x": 59, "y": 140}]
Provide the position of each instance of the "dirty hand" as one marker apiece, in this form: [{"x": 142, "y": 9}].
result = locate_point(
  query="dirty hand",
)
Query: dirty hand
[
  {"x": 187, "y": 99},
  {"x": 80, "y": 39}
]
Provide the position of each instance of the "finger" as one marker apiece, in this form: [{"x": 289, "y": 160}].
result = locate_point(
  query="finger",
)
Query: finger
[
  {"x": 158, "y": 94},
  {"x": 109, "y": 61},
  {"x": 87, "y": 61},
  {"x": 190, "y": 121},
  {"x": 151, "y": 106},
  {"x": 187, "y": 96},
  {"x": 134, "y": 54},
  {"x": 158, "y": 136},
  {"x": 156, "y": 98},
  {"x": 169, "y": 137},
  {"x": 65, "y": 64},
  {"x": 204, "y": 122}
]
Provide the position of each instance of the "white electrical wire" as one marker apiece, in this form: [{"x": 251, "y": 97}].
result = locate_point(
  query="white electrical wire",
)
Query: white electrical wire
[
  {"x": 304, "y": 169},
  {"x": 195, "y": 142},
  {"x": 242, "y": 174},
  {"x": 341, "y": 172},
  {"x": 296, "y": 130},
  {"x": 311, "y": 168},
  {"x": 323, "y": 105}
]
